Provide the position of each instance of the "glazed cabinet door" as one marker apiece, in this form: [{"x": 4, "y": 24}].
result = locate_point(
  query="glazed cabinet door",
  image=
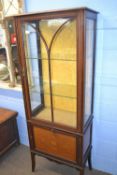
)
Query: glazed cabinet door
[{"x": 50, "y": 54}]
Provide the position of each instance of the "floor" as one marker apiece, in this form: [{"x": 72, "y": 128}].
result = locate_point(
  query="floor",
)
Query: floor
[{"x": 17, "y": 162}]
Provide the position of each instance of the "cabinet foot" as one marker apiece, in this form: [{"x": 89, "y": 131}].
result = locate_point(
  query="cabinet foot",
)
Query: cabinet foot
[
  {"x": 82, "y": 172},
  {"x": 90, "y": 161},
  {"x": 33, "y": 161}
]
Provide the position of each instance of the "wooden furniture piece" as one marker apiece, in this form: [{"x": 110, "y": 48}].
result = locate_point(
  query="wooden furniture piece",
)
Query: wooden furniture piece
[
  {"x": 8, "y": 130},
  {"x": 57, "y": 62}
]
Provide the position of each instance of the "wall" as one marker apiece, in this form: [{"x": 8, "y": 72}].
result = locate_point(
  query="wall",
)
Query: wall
[{"x": 105, "y": 122}]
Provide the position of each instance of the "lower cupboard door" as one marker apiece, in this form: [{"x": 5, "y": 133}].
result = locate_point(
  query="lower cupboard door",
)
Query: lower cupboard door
[{"x": 55, "y": 143}]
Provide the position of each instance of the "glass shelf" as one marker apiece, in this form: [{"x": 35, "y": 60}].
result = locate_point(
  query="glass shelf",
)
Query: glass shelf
[
  {"x": 61, "y": 116},
  {"x": 60, "y": 90},
  {"x": 50, "y": 59}
]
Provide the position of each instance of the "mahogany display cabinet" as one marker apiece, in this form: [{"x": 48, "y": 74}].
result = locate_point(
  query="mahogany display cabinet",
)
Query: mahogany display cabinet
[{"x": 57, "y": 62}]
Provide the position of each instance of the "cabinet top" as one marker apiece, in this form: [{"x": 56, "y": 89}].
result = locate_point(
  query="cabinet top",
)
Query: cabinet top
[
  {"x": 55, "y": 12},
  {"x": 6, "y": 114}
]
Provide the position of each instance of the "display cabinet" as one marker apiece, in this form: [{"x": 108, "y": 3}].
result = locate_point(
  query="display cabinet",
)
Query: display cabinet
[{"x": 57, "y": 62}]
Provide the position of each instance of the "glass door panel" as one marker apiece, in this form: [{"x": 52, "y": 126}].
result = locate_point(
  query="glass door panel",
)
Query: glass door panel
[
  {"x": 37, "y": 72},
  {"x": 50, "y": 51},
  {"x": 89, "y": 68},
  {"x": 48, "y": 28},
  {"x": 63, "y": 74}
]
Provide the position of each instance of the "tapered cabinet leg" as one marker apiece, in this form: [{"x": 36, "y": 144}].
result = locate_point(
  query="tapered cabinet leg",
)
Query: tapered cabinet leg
[
  {"x": 82, "y": 172},
  {"x": 90, "y": 161},
  {"x": 33, "y": 161}
]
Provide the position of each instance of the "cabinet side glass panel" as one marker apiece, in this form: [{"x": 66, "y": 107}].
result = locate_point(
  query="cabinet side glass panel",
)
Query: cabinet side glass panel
[
  {"x": 89, "y": 68},
  {"x": 37, "y": 72}
]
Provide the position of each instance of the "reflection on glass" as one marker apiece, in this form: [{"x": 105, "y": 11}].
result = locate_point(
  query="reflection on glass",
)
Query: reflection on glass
[{"x": 89, "y": 68}]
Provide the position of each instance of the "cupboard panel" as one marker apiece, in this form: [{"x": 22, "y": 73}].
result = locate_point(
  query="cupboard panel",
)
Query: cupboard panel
[{"x": 57, "y": 144}]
